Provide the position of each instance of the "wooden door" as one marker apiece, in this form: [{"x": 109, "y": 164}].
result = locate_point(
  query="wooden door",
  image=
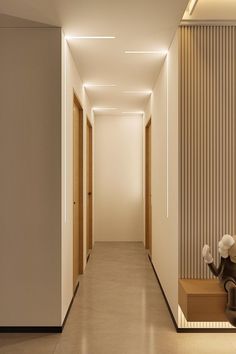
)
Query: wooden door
[
  {"x": 77, "y": 191},
  {"x": 148, "y": 198},
  {"x": 89, "y": 186}
]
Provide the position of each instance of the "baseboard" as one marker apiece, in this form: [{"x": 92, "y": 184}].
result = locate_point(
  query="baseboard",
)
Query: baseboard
[
  {"x": 188, "y": 330},
  {"x": 71, "y": 303},
  {"x": 31, "y": 329},
  {"x": 164, "y": 295},
  {"x": 39, "y": 329}
]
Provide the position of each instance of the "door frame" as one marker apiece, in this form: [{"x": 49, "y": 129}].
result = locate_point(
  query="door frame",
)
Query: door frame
[
  {"x": 90, "y": 187},
  {"x": 81, "y": 201},
  {"x": 148, "y": 187}
]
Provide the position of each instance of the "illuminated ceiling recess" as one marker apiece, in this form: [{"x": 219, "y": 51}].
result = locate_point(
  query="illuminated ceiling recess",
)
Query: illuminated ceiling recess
[
  {"x": 98, "y": 85},
  {"x": 89, "y": 37},
  {"x": 160, "y": 52}
]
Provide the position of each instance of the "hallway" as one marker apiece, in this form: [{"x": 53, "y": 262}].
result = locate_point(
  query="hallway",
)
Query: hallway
[{"x": 118, "y": 309}]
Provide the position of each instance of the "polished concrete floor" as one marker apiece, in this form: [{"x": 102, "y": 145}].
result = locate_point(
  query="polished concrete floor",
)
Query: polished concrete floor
[{"x": 118, "y": 309}]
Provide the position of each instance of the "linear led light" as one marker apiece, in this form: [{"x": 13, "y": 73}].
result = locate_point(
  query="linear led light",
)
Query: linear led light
[
  {"x": 145, "y": 92},
  {"x": 103, "y": 108},
  {"x": 137, "y": 112},
  {"x": 191, "y": 6},
  {"x": 99, "y": 85},
  {"x": 90, "y": 37},
  {"x": 160, "y": 52}
]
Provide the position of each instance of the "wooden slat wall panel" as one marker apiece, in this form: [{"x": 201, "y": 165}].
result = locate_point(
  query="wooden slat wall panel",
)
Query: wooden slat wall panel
[{"x": 208, "y": 133}]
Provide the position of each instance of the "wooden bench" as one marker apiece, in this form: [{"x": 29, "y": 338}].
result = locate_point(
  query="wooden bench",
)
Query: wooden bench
[{"x": 202, "y": 300}]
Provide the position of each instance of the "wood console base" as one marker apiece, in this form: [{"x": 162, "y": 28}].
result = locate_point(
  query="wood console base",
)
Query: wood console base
[{"x": 202, "y": 300}]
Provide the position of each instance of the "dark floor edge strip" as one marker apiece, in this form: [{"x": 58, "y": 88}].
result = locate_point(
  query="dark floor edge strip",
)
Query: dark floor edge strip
[
  {"x": 163, "y": 293},
  {"x": 69, "y": 308},
  {"x": 39, "y": 329},
  {"x": 188, "y": 330},
  {"x": 31, "y": 329}
]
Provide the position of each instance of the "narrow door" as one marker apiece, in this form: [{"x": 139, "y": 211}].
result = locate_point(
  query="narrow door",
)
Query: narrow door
[
  {"x": 148, "y": 208},
  {"x": 77, "y": 191},
  {"x": 89, "y": 186}
]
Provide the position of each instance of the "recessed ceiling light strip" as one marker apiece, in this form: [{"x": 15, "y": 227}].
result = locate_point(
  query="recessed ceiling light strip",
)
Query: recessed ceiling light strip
[
  {"x": 144, "y": 92},
  {"x": 160, "y": 52},
  {"x": 99, "y": 85},
  {"x": 90, "y": 37},
  {"x": 104, "y": 108},
  {"x": 137, "y": 112},
  {"x": 191, "y": 6}
]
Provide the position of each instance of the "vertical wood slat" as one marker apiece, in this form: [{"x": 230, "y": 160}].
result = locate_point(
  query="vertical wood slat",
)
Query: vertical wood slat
[{"x": 208, "y": 132}]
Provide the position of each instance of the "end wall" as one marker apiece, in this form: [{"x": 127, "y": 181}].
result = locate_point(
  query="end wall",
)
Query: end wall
[{"x": 118, "y": 178}]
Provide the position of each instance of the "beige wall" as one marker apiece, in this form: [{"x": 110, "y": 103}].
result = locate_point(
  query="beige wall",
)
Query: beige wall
[
  {"x": 70, "y": 82},
  {"x": 30, "y": 178},
  {"x": 118, "y": 179},
  {"x": 163, "y": 107},
  {"x": 38, "y": 76}
]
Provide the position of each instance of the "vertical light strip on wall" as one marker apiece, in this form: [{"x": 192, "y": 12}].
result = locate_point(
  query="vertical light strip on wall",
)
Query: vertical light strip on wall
[
  {"x": 167, "y": 135},
  {"x": 65, "y": 132},
  {"x": 208, "y": 133}
]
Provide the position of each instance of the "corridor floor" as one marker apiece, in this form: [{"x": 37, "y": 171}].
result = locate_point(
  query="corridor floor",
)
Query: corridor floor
[{"x": 118, "y": 309}]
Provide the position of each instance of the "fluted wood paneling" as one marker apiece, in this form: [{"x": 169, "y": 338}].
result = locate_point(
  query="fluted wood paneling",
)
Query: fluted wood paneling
[{"x": 208, "y": 133}]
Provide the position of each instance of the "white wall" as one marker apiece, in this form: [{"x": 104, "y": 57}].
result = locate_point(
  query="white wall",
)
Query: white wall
[
  {"x": 118, "y": 182},
  {"x": 71, "y": 82},
  {"x": 163, "y": 107},
  {"x": 30, "y": 178}
]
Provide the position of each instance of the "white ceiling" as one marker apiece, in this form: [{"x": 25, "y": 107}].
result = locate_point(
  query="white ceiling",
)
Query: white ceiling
[
  {"x": 136, "y": 24},
  {"x": 207, "y": 10}
]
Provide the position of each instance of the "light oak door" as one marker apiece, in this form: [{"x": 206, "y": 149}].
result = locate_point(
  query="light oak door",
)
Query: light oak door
[
  {"x": 148, "y": 187},
  {"x": 89, "y": 186},
  {"x": 77, "y": 192},
  {"x": 76, "y": 196}
]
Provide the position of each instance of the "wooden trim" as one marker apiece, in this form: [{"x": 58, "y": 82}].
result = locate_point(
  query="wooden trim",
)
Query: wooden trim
[
  {"x": 80, "y": 186},
  {"x": 89, "y": 186}
]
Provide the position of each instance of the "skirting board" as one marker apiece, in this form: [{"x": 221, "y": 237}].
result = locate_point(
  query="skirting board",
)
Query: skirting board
[
  {"x": 39, "y": 329},
  {"x": 188, "y": 330}
]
